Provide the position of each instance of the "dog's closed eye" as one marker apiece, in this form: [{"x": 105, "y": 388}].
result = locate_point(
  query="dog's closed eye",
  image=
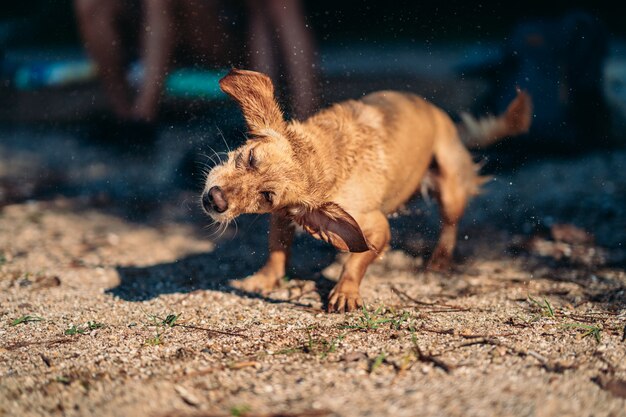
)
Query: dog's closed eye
[
  {"x": 268, "y": 196},
  {"x": 252, "y": 161}
]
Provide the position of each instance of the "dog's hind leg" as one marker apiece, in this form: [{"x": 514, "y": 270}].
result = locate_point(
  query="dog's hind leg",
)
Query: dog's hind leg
[
  {"x": 346, "y": 296},
  {"x": 455, "y": 182}
]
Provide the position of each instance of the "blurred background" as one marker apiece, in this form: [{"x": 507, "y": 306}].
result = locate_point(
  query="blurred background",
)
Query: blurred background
[{"x": 117, "y": 104}]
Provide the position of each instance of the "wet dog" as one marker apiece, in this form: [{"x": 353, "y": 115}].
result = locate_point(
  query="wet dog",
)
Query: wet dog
[{"x": 342, "y": 171}]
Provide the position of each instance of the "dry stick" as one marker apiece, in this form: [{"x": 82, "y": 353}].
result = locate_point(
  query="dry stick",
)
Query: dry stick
[
  {"x": 200, "y": 372},
  {"x": 477, "y": 336},
  {"x": 582, "y": 319},
  {"x": 479, "y": 341},
  {"x": 441, "y": 307},
  {"x": 422, "y": 357},
  {"x": 308, "y": 413},
  {"x": 438, "y": 310},
  {"x": 545, "y": 362},
  {"x": 191, "y": 326},
  {"x": 449, "y": 310},
  {"x": 18, "y": 345},
  {"x": 429, "y": 358},
  {"x": 299, "y": 306},
  {"x": 600, "y": 356},
  {"x": 465, "y": 336},
  {"x": 45, "y": 359},
  {"x": 586, "y": 317},
  {"x": 447, "y": 331},
  {"x": 403, "y": 294},
  {"x": 600, "y": 313},
  {"x": 540, "y": 358}
]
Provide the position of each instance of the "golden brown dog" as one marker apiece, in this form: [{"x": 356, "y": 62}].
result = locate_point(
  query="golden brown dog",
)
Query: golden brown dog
[{"x": 342, "y": 171}]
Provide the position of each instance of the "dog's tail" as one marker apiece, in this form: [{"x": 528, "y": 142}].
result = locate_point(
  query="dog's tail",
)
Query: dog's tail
[{"x": 483, "y": 132}]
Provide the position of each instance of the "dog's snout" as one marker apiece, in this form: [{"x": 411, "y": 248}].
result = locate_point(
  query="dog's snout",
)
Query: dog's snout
[
  {"x": 214, "y": 200},
  {"x": 206, "y": 202}
]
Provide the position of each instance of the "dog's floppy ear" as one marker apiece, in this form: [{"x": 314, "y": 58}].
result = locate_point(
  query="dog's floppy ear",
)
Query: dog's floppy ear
[
  {"x": 254, "y": 92},
  {"x": 334, "y": 225}
]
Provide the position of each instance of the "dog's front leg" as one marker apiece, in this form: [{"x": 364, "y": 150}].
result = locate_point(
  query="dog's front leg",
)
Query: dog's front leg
[
  {"x": 269, "y": 276},
  {"x": 346, "y": 296}
]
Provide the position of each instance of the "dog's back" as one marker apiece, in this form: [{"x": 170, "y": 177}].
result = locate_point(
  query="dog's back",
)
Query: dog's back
[{"x": 383, "y": 145}]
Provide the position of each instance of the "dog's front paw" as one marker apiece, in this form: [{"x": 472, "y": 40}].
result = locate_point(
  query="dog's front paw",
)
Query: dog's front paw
[
  {"x": 260, "y": 282},
  {"x": 343, "y": 300}
]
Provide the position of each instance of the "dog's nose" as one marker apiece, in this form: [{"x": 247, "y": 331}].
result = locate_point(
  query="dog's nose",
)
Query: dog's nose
[{"x": 214, "y": 200}]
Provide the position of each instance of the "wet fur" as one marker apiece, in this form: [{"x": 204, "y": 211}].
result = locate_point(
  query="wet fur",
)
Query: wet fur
[{"x": 342, "y": 171}]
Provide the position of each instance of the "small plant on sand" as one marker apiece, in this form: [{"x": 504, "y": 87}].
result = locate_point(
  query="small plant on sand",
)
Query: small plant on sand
[
  {"x": 329, "y": 346},
  {"x": 63, "y": 380},
  {"x": 377, "y": 362},
  {"x": 373, "y": 321},
  {"x": 545, "y": 307},
  {"x": 154, "y": 341},
  {"x": 548, "y": 311},
  {"x": 319, "y": 346},
  {"x": 161, "y": 325},
  {"x": 239, "y": 410},
  {"x": 26, "y": 319},
  {"x": 170, "y": 320},
  {"x": 74, "y": 330},
  {"x": 368, "y": 321},
  {"x": 588, "y": 330},
  {"x": 89, "y": 326},
  {"x": 400, "y": 319}
]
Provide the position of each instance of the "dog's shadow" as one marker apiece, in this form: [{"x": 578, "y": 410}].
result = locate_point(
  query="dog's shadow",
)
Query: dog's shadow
[{"x": 232, "y": 259}]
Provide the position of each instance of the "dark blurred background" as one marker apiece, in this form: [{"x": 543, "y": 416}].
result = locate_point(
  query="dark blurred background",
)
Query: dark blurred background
[
  {"x": 352, "y": 20},
  {"x": 416, "y": 42}
]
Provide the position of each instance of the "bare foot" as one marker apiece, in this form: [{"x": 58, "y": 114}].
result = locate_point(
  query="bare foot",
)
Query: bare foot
[
  {"x": 260, "y": 282},
  {"x": 344, "y": 298}
]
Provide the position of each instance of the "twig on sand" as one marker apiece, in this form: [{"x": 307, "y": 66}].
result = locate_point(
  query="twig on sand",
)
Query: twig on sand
[
  {"x": 445, "y": 331},
  {"x": 193, "y": 327},
  {"x": 547, "y": 364},
  {"x": 307, "y": 413},
  {"x": 422, "y": 357},
  {"x": 200, "y": 372},
  {"x": 403, "y": 295},
  {"x": 436, "y": 307},
  {"x": 170, "y": 321},
  {"x": 447, "y": 310},
  {"x": 52, "y": 342},
  {"x": 243, "y": 364},
  {"x": 451, "y": 332}
]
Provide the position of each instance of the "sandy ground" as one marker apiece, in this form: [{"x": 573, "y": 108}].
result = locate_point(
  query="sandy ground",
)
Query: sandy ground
[{"x": 136, "y": 317}]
